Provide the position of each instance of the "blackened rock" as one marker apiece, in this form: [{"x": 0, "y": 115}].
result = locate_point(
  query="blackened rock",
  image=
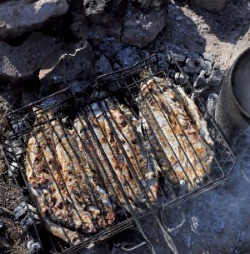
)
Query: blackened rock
[
  {"x": 18, "y": 17},
  {"x": 24, "y": 61},
  {"x": 211, "y": 5},
  {"x": 145, "y": 4},
  {"x": 64, "y": 67},
  {"x": 141, "y": 28},
  {"x": 103, "y": 66}
]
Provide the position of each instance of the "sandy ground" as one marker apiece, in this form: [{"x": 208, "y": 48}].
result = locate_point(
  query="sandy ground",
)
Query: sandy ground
[{"x": 223, "y": 35}]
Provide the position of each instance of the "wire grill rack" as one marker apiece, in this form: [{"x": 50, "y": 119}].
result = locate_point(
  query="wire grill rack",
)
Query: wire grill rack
[{"x": 103, "y": 139}]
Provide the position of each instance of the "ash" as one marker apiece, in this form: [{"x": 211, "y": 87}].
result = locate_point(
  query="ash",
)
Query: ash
[{"x": 217, "y": 221}]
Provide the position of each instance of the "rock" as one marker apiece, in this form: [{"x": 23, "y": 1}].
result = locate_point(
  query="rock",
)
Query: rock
[
  {"x": 24, "y": 61},
  {"x": 96, "y": 23},
  {"x": 141, "y": 28},
  {"x": 216, "y": 76},
  {"x": 18, "y": 17},
  {"x": 103, "y": 65},
  {"x": 211, "y": 5},
  {"x": 63, "y": 67},
  {"x": 128, "y": 57},
  {"x": 145, "y": 4}
]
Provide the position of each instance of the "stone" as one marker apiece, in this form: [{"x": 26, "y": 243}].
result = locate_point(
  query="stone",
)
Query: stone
[
  {"x": 23, "y": 62},
  {"x": 210, "y": 5},
  {"x": 103, "y": 66},
  {"x": 128, "y": 57},
  {"x": 216, "y": 76},
  {"x": 141, "y": 28},
  {"x": 18, "y": 17},
  {"x": 96, "y": 23},
  {"x": 145, "y": 4},
  {"x": 64, "y": 67}
]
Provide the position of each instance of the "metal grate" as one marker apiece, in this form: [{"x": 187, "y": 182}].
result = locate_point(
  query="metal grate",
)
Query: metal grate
[{"x": 106, "y": 137}]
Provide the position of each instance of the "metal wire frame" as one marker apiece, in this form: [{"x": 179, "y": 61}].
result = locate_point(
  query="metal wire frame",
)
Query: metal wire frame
[
  {"x": 22, "y": 134},
  {"x": 127, "y": 83}
]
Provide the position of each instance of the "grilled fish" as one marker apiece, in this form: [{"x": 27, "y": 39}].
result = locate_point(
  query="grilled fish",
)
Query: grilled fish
[
  {"x": 62, "y": 184},
  {"x": 116, "y": 148},
  {"x": 176, "y": 131}
]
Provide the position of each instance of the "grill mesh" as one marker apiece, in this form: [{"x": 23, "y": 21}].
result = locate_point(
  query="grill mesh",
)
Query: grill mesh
[{"x": 119, "y": 88}]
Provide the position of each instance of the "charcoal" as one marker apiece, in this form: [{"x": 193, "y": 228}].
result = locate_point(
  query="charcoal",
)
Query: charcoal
[
  {"x": 13, "y": 170},
  {"x": 33, "y": 247},
  {"x": 179, "y": 57},
  {"x": 211, "y": 103},
  {"x": 180, "y": 78},
  {"x": 21, "y": 210},
  {"x": 1, "y": 225},
  {"x": 128, "y": 57},
  {"x": 190, "y": 63},
  {"x": 207, "y": 67},
  {"x": 189, "y": 70},
  {"x": 26, "y": 222},
  {"x": 208, "y": 57},
  {"x": 200, "y": 81},
  {"x": 103, "y": 65},
  {"x": 213, "y": 81}
]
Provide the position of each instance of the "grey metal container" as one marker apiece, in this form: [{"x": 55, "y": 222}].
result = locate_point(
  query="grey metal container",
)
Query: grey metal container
[{"x": 233, "y": 108}]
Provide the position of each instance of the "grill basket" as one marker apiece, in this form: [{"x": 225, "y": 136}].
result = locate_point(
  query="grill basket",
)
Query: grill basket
[{"x": 118, "y": 87}]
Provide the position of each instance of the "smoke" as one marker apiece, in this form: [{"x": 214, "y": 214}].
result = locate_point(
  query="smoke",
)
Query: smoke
[{"x": 217, "y": 221}]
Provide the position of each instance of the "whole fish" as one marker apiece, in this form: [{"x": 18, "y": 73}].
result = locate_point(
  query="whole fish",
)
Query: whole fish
[
  {"x": 109, "y": 133},
  {"x": 61, "y": 182},
  {"x": 176, "y": 131}
]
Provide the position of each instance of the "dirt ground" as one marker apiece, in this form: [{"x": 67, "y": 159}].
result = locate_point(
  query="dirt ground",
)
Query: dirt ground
[{"x": 222, "y": 35}]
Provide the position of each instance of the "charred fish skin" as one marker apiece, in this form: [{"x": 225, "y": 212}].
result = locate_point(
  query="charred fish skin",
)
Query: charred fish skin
[
  {"x": 118, "y": 123},
  {"x": 181, "y": 141},
  {"x": 54, "y": 186}
]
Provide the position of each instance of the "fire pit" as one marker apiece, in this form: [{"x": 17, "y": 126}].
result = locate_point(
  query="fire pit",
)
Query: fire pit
[{"x": 129, "y": 203}]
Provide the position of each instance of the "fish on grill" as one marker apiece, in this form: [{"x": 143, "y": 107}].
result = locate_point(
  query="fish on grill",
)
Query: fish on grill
[
  {"x": 62, "y": 184},
  {"x": 108, "y": 133},
  {"x": 176, "y": 131}
]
